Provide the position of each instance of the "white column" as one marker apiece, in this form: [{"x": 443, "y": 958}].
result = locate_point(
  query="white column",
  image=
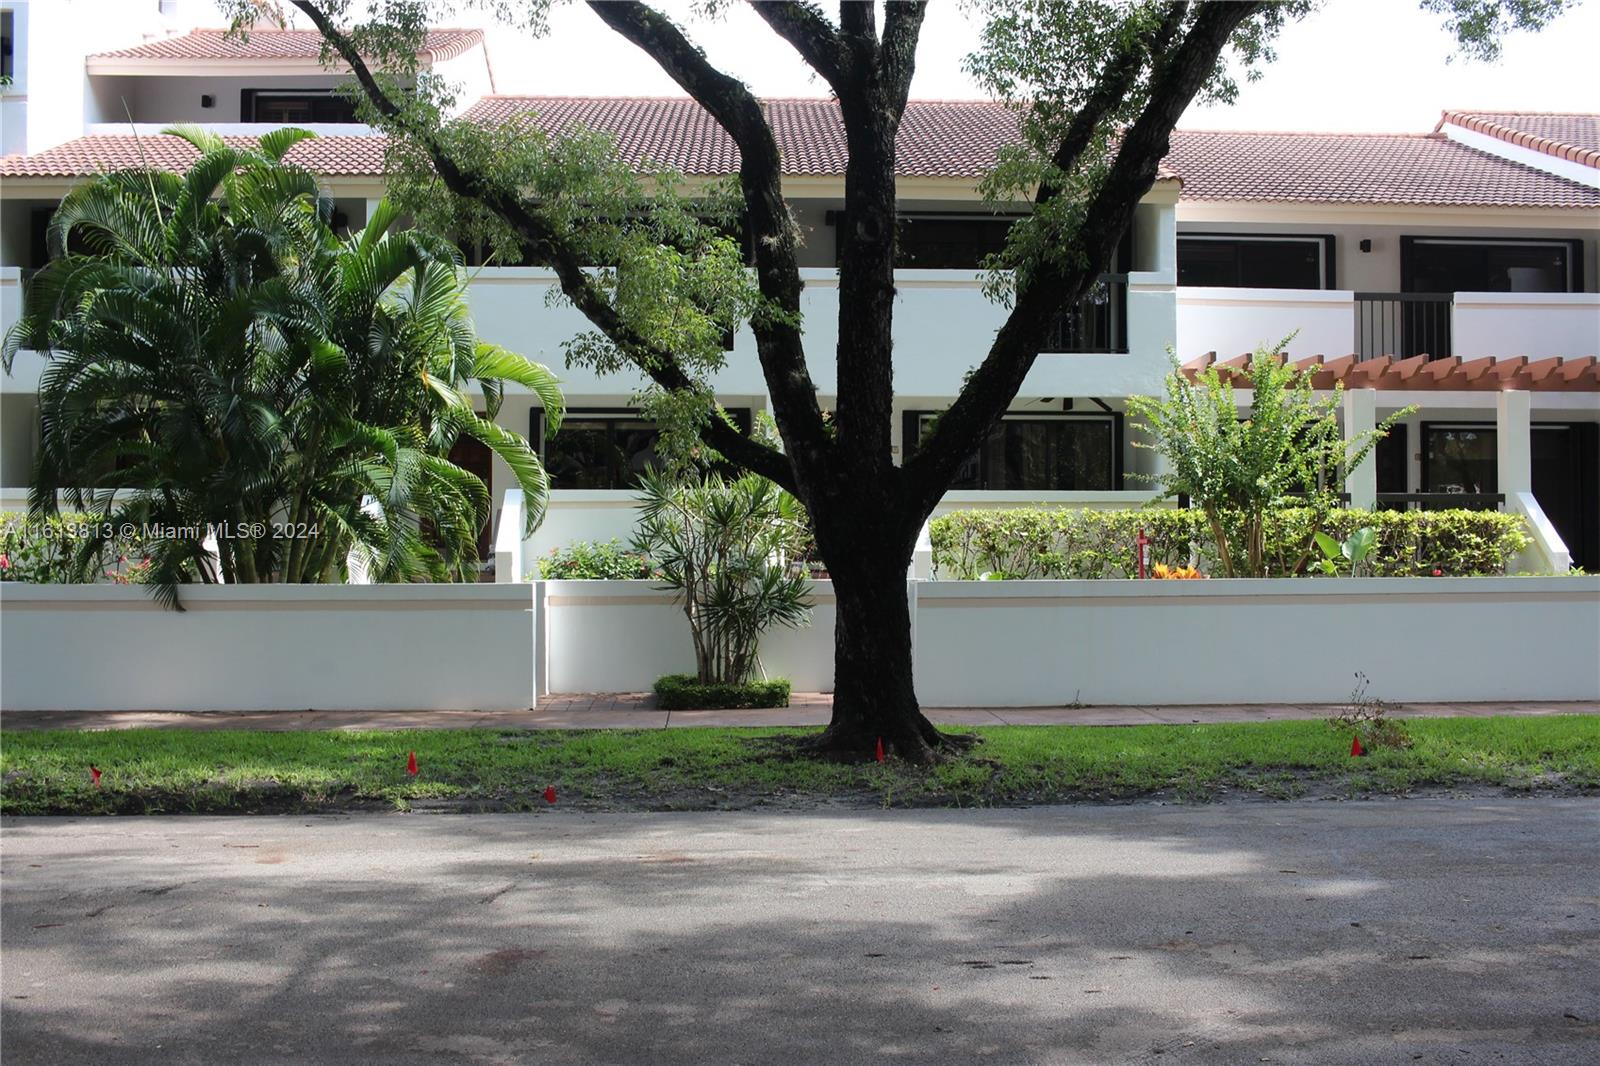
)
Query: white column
[
  {"x": 1514, "y": 430},
  {"x": 1360, "y": 416}
]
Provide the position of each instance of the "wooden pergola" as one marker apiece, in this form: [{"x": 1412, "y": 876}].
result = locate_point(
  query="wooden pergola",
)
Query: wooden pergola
[{"x": 1424, "y": 373}]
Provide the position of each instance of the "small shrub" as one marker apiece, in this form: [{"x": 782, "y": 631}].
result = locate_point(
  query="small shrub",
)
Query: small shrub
[
  {"x": 685, "y": 692},
  {"x": 44, "y": 551},
  {"x": 1368, "y": 717},
  {"x": 596, "y": 561},
  {"x": 729, "y": 550},
  {"x": 1027, "y": 543}
]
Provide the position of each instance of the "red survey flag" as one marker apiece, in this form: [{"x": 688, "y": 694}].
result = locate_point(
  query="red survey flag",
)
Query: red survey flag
[{"x": 411, "y": 765}]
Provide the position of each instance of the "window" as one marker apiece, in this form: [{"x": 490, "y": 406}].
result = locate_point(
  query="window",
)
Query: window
[
  {"x": 8, "y": 47},
  {"x": 294, "y": 105},
  {"x": 604, "y": 449},
  {"x": 956, "y": 242},
  {"x": 937, "y": 242},
  {"x": 1238, "y": 261},
  {"x": 1049, "y": 453},
  {"x": 1447, "y": 264}
]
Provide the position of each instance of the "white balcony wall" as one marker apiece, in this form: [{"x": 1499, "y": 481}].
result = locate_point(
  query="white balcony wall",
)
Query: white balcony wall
[
  {"x": 1232, "y": 322},
  {"x": 1534, "y": 324}
]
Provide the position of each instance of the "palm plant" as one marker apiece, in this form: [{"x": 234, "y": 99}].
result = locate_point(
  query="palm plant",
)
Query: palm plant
[
  {"x": 220, "y": 361},
  {"x": 726, "y": 548}
]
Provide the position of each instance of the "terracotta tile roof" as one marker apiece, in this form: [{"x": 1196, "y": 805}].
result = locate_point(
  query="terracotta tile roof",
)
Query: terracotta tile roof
[
  {"x": 946, "y": 139},
  {"x": 937, "y": 138},
  {"x": 1422, "y": 374},
  {"x": 1363, "y": 168},
  {"x": 274, "y": 44},
  {"x": 1564, "y": 135},
  {"x": 336, "y": 155}
]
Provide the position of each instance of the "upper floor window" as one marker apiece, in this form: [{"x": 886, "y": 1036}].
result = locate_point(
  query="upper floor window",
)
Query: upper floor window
[
  {"x": 287, "y": 106},
  {"x": 604, "y": 449},
  {"x": 8, "y": 47},
  {"x": 1039, "y": 453},
  {"x": 1252, "y": 261},
  {"x": 952, "y": 241},
  {"x": 1488, "y": 264}
]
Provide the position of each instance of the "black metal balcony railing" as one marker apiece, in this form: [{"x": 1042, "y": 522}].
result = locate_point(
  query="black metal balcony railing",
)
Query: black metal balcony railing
[
  {"x": 1403, "y": 324},
  {"x": 1098, "y": 324}
]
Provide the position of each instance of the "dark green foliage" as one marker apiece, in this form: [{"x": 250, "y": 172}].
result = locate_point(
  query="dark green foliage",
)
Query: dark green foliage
[
  {"x": 685, "y": 692},
  {"x": 585, "y": 560},
  {"x": 222, "y": 360},
  {"x": 1028, "y": 543}
]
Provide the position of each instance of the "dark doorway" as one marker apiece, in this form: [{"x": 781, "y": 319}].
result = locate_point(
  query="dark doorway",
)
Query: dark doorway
[
  {"x": 473, "y": 456},
  {"x": 1462, "y": 458},
  {"x": 1566, "y": 481}
]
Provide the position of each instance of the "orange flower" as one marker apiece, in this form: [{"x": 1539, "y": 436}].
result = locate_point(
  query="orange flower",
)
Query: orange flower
[{"x": 1176, "y": 573}]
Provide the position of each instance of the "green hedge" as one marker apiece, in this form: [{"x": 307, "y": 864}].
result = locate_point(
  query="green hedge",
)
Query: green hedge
[
  {"x": 1076, "y": 543},
  {"x": 41, "y": 551},
  {"x": 685, "y": 692}
]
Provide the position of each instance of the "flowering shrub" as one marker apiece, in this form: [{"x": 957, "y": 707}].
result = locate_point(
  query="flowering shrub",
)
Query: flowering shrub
[
  {"x": 595, "y": 561},
  {"x": 43, "y": 551},
  {"x": 1175, "y": 573}
]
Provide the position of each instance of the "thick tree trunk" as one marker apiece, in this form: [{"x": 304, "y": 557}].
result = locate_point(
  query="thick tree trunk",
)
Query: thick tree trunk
[{"x": 874, "y": 694}]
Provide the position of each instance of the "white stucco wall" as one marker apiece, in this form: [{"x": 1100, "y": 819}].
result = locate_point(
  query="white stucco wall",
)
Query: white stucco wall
[
  {"x": 620, "y": 636},
  {"x": 1233, "y": 322},
  {"x": 1534, "y": 324},
  {"x": 267, "y": 647},
  {"x": 1257, "y": 641}
]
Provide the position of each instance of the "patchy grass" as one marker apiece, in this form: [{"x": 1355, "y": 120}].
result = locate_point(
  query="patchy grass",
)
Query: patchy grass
[{"x": 166, "y": 771}]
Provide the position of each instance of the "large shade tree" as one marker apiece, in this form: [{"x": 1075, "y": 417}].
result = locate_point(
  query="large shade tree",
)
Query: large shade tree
[{"x": 1098, "y": 88}]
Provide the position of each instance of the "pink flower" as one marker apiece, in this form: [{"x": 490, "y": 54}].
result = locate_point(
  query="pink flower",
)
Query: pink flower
[
  {"x": 1438, "y": 573},
  {"x": 5, "y": 561}
]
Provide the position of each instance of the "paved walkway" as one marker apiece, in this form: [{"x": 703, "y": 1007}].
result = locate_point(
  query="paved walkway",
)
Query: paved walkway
[{"x": 637, "y": 710}]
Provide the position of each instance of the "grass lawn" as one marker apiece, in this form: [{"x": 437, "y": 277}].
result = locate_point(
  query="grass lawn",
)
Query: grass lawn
[{"x": 149, "y": 771}]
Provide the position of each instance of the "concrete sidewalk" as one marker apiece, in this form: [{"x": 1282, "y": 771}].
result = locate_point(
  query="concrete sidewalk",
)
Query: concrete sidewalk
[{"x": 637, "y": 710}]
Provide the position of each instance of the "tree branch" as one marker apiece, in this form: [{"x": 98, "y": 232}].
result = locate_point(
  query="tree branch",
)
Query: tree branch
[
  {"x": 992, "y": 387},
  {"x": 1117, "y": 79},
  {"x": 779, "y": 343},
  {"x": 902, "y": 28},
  {"x": 539, "y": 237},
  {"x": 804, "y": 26}
]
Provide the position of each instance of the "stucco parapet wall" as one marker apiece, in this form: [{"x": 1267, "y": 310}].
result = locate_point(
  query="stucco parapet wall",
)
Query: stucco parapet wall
[
  {"x": 16, "y": 596},
  {"x": 1257, "y": 591}
]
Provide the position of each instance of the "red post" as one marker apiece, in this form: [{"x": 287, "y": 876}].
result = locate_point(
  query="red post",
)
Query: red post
[{"x": 1144, "y": 553}]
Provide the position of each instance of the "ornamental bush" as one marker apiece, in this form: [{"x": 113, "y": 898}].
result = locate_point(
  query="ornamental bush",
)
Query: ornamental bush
[
  {"x": 585, "y": 560},
  {"x": 685, "y": 692},
  {"x": 1054, "y": 544},
  {"x": 45, "y": 551}
]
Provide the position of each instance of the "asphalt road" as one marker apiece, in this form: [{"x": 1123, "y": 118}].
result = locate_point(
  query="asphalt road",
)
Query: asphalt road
[{"x": 1452, "y": 931}]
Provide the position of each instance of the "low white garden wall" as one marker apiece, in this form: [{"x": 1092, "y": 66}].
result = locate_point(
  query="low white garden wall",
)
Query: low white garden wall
[
  {"x": 619, "y": 636},
  {"x": 1044, "y": 643},
  {"x": 267, "y": 647}
]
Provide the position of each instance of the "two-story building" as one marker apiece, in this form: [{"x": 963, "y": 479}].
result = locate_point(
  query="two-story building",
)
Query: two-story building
[{"x": 1368, "y": 246}]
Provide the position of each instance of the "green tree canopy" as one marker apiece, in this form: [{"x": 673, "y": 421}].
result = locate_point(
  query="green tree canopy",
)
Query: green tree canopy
[{"x": 221, "y": 360}]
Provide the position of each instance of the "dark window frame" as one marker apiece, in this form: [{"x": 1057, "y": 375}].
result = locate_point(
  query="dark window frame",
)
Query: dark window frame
[
  {"x": 249, "y": 98},
  {"x": 1572, "y": 246},
  {"x": 1328, "y": 251},
  {"x": 1121, "y": 262},
  {"x": 8, "y": 53},
  {"x": 911, "y": 422},
  {"x": 742, "y": 417}
]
